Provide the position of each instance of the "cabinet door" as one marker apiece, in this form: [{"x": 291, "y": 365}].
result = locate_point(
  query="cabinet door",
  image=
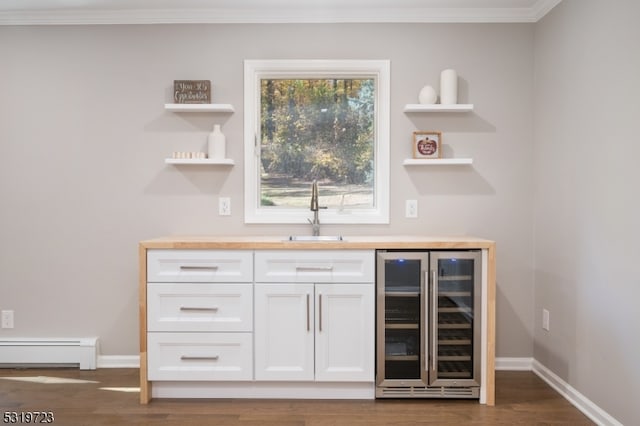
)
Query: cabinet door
[
  {"x": 284, "y": 331},
  {"x": 345, "y": 332},
  {"x": 455, "y": 319}
]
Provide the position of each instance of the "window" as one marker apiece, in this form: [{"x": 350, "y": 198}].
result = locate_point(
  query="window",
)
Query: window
[{"x": 323, "y": 120}]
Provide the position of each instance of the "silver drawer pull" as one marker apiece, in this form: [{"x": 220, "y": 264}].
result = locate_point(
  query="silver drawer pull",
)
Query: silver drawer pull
[
  {"x": 198, "y": 268},
  {"x": 308, "y": 314},
  {"x": 314, "y": 268},
  {"x": 320, "y": 311},
  {"x": 199, "y": 358},
  {"x": 190, "y": 308}
]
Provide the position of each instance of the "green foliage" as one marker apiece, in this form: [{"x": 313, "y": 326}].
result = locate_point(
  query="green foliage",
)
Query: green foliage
[{"x": 318, "y": 129}]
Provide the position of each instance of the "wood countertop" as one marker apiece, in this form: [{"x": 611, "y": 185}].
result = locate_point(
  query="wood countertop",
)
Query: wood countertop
[{"x": 348, "y": 242}]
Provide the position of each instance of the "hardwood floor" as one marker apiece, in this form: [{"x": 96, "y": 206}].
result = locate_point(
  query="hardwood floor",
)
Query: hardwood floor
[{"x": 110, "y": 397}]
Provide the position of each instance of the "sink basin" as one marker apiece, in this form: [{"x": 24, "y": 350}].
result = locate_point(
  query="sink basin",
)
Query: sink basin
[{"x": 315, "y": 238}]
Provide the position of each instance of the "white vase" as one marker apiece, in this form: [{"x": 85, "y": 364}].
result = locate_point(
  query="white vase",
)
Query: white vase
[
  {"x": 449, "y": 87},
  {"x": 216, "y": 143},
  {"x": 427, "y": 95}
]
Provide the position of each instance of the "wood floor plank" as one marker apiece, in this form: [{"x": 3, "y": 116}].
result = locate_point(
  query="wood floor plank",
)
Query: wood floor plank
[{"x": 106, "y": 398}]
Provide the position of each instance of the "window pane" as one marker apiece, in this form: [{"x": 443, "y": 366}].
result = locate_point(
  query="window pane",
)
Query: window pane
[{"x": 317, "y": 129}]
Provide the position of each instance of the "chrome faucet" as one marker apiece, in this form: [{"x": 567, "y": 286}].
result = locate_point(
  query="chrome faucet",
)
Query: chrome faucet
[{"x": 315, "y": 225}]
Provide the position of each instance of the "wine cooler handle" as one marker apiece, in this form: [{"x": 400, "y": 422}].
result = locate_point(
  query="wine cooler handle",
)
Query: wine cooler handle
[{"x": 434, "y": 320}]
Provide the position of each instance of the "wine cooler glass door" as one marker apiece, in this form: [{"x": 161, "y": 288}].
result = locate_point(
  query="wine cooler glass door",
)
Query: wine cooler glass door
[
  {"x": 454, "y": 345},
  {"x": 401, "y": 314}
]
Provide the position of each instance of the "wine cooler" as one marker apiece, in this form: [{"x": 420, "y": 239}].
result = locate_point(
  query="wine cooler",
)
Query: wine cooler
[{"x": 428, "y": 324}]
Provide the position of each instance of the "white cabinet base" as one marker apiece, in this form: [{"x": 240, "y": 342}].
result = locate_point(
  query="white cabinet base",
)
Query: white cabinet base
[{"x": 274, "y": 390}]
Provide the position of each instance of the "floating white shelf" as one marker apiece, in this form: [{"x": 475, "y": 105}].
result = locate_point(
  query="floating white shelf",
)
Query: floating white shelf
[
  {"x": 438, "y": 108},
  {"x": 223, "y": 162},
  {"x": 199, "y": 107},
  {"x": 437, "y": 161}
]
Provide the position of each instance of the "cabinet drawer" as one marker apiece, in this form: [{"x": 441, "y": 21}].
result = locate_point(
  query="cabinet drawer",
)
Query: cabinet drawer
[
  {"x": 200, "y": 356},
  {"x": 317, "y": 266},
  {"x": 199, "y": 307},
  {"x": 198, "y": 266}
]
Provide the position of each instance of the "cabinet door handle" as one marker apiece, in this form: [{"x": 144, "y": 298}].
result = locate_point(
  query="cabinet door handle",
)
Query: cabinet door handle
[
  {"x": 198, "y": 268},
  {"x": 320, "y": 312},
  {"x": 308, "y": 319},
  {"x": 199, "y": 358},
  {"x": 194, "y": 308}
]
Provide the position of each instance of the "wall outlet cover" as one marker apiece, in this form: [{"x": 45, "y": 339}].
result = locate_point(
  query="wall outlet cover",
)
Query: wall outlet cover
[
  {"x": 411, "y": 209},
  {"x": 224, "y": 206},
  {"x": 7, "y": 319}
]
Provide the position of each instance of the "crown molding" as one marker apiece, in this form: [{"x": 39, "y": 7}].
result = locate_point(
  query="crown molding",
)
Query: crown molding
[
  {"x": 280, "y": 15},
  {"x": 541, "y": 8}
]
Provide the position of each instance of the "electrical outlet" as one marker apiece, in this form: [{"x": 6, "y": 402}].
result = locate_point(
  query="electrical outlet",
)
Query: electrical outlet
[
  {"x": 224, "y": 206},
  {"x": 545, "y": 319},
  {"x": 7, "y": 319},
  {"x": 411, "y": 209}
]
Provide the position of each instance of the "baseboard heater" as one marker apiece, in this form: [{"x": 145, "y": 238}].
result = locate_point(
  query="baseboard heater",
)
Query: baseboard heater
[{"x": 36, "y": 352}]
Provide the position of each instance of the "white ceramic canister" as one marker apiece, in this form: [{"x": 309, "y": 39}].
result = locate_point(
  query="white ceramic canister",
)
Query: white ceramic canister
[
  {"x": 427, "y": 95},
  {"x": 216, "y": 143},
  {"x": 449, "y": 87}
]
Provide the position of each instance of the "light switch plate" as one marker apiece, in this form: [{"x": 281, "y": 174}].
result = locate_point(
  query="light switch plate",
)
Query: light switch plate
[{"x": 545, "y": 319}]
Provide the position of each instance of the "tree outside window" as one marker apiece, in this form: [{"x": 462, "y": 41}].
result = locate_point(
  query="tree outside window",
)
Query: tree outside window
[
  {"x": 316, "y": 120},
  {"x": 317, "y": 130}
]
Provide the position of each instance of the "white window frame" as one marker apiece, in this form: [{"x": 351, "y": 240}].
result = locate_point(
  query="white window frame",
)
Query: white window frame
[{"x": 254, "y": 71}]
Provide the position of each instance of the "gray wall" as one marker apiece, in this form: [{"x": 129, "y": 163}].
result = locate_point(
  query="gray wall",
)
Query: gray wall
[
  {"x": 84, "y": 134},
  {"x": 586, "y": 225}
]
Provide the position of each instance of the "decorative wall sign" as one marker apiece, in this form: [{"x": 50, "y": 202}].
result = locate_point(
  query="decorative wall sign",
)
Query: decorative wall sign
[
  {"x": 427, "y": 144},
  {"x": 192, "y": 91}
]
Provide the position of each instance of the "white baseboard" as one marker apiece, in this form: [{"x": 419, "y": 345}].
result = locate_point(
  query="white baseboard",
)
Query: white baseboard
[
  {"x": 582, "y": 403},
  {"x": 514, "y": 364},
  {"x": 118, "y": 361}
]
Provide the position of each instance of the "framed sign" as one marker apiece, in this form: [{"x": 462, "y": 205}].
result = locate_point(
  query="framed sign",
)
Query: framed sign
[
  {"x": 192, "y": 91},
  {"x": 427, "y": 144}
]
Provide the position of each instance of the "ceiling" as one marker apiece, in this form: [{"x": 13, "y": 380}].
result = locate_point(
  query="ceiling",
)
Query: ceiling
[{"x": 58, "y": 12}]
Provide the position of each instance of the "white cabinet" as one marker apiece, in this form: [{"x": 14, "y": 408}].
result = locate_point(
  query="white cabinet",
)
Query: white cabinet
[
  {"x": 199, "y": 315},
  {"x": 317, "y": 324},
  {"x": 226, "y": 318},
  {"x": 345, "y": 332},
  {"x": 321, "y": 332},
  {"x": 284, "y": 332}
]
